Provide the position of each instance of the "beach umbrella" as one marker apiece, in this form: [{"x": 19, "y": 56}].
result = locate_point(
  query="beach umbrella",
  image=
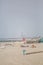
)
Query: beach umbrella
[{"x": 41, "y": 40}]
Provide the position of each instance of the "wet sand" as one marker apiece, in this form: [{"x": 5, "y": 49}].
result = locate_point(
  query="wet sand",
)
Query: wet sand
[{"x": 12, "y": 54}]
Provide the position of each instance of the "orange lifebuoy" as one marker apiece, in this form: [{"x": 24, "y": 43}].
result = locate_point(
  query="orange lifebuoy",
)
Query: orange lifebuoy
[{"x": 33, "y": 46}]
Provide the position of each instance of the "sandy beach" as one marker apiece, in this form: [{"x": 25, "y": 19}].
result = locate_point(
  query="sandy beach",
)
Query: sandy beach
[{"x": 12, "y": 54}]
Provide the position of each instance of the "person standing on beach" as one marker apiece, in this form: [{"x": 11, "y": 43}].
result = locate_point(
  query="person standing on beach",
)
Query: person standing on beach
[{"x": 24, "y": 40}]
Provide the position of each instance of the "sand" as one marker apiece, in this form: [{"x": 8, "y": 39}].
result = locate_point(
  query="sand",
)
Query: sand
[{"x": 13, "y": 54}]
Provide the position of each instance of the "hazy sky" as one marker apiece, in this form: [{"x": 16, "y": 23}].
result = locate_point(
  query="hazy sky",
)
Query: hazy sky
[{"x": 21, "y": 18}]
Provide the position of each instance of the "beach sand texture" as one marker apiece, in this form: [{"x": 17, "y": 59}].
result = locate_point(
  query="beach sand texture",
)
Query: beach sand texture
[{"x": 13, "y": 54}]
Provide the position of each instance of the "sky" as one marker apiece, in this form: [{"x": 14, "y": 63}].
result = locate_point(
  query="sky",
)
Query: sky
[{"x": 21, "y": 18}]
